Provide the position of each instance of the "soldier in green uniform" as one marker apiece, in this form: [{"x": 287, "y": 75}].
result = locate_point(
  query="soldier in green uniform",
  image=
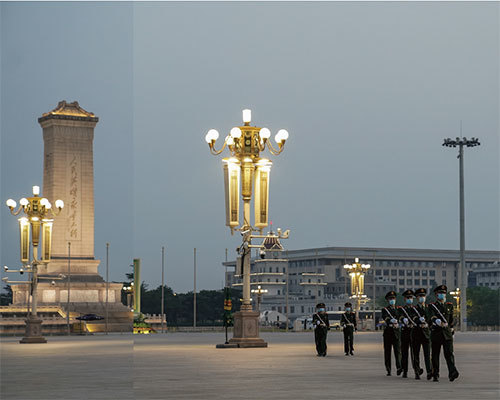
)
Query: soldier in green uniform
[
  {"x": 407, "y": 325},
  {"x": 421, "y": 335},
  {"x": 392, "y": 333},
  {"x": 441, "y": 319},
  {"x": 321, "y": 327},
  {"x": 348, "y": 322}
]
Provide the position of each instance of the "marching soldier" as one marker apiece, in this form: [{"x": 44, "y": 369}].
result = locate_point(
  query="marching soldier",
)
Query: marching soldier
[
  {"x": 441, "y": 318},
  {"x": 407, "y": 324},
  {"x": 348, "y": 322},
  {"x": 321, "y": 326},
  {"x": 421, "y": 335},
  {"x": 392, "y": 333}
]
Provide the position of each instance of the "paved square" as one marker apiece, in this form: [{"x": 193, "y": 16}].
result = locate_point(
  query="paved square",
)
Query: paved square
[{"x": 187, "y": 366}]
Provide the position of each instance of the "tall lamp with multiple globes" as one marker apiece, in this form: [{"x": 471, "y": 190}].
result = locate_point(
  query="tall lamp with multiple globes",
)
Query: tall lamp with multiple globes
[
  {"x": 357, "y": 273},
  {"x": 247, "y": 172},
  {"x": 35, "y": 229}
]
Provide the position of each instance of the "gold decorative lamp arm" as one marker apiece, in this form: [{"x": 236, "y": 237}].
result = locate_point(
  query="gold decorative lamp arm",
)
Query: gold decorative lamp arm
[
  {"x": 280, "y": 138},
  {"x": 12, "y": 205}
]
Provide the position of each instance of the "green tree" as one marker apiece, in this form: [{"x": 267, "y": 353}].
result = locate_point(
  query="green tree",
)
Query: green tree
[{"x": 483, "y": 306}]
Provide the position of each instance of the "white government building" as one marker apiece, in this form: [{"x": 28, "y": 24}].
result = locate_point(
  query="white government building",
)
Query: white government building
[{"x": 318, "y": 274}]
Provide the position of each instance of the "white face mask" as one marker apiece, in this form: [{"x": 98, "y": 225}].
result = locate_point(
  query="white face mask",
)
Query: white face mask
[{"x": 421, "y": 299}]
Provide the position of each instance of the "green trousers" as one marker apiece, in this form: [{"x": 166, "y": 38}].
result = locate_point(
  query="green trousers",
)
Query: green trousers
[
  {"x": 438, "y": 340},
  {"x": 392, "y": 340}
]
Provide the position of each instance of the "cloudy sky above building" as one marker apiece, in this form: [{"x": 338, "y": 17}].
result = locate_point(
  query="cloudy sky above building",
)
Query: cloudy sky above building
[{"x": 367, "y": 91}]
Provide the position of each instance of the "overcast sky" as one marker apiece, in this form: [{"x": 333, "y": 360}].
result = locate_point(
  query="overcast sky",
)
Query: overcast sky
[{"x": 367, "y": 91}]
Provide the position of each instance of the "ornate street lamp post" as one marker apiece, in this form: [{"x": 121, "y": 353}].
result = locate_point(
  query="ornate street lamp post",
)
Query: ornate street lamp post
[
  {"x": 37, "y": 211},
  {"x": 456, "y": 296},
  {"x": 245, "y": 169},
  {"x": 357, "y": 273},
  {"x": 259, "y": 292},
  {"x": 461, "y": 142}
]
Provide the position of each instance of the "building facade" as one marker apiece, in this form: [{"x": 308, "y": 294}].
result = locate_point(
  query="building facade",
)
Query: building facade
[{"x": 313, "y": 275}]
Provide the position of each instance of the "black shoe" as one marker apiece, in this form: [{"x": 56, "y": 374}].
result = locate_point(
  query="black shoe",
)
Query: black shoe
[
  {"x": 454, "y": 376},
  {"x": 405, "y": 374},
  {"x": 398, "y": 372},
  {"x": 420, "y": 371},
  {"x": 388, "y": 373},
  {"x": 352, "y": 353},
  {"x": 324, "y": 354},
  {"x": 318, "y": 355},
  {"x": 435, "y": 379},
  {"x": 417, "y": 376},
  {"x": 429, "y": 376},
  {"x": 346, "y": 354}
]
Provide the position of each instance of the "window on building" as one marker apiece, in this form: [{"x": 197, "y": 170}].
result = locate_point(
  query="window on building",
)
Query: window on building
[
  {"x": 378, "y": 272},
  {"x": 279, "y": 292},
  {"x": 417, "y": 282},
  {"x": 301, "y": 309},
  {"x": 424, "y": 282},
  {"x": 443, "y": 282},
  {"x": 340, "y": 308},
  {"x": 401, "y": 272},
  {"x": 279, "y": 309},
  {"x": 386, "y": 272},
  {"x": 394, "y": 272},
  {"x": 432, "y": 282},
  {"x": 273, "y": 308},
  {"x": 309, "y": 292},
  {"x": 417, "y": 272},
  {"x": 424, "y": 272},
  {"x": 319, "y": 293},
  {"x": 401, "y": 282},
  {"x": 408, "y": 282},
  {"x": 409, "y": 272},
  {"x": 443, "y": 273},
  {"x": 432, "y": 273},
  {"x": 292, "y": 309}
]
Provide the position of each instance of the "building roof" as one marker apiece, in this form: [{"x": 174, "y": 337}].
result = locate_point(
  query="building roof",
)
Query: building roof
[
  {"x": 72, "y": 111},
  {"x": 272, "y": 243}
]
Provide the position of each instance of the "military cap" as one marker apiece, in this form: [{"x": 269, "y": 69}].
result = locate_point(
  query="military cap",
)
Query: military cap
[
  {"x": 420, "y": 292},
  {"x": 408, "y": 292},
  {"x": 347, "y": 304},
  {"x": 440, "y": 289},
  {"x": 392, "y": 293},
  {"x": 320, "y": 305}
]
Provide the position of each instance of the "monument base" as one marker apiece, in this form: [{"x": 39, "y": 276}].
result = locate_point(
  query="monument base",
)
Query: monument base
[
  {"x": 33, "y": 331},
  {"x": 246, "y": 330}
]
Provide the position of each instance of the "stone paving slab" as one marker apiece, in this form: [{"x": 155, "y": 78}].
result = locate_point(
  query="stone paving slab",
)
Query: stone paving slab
[{"x": 188, "y": 366}]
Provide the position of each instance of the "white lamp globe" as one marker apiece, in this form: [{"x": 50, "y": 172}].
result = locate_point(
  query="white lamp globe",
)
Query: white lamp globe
[
  {"x": 265, "y": 133},
  {"x": 59, "y": 204},
  {"x": 230, "y": 141},
  {"x": 11, "y": 203},
  {"x": 36, "y": 190},
  {"x": 212, "y": 135},
  {"x": 235, "y": 132},
  {"x": 281, "y": 136},
  {"x": 24, "y": 201}
]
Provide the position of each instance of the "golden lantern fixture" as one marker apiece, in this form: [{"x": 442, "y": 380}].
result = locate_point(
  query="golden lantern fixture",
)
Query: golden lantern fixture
[
  {"x": 357, "y": 273},
  {"x": 245, "y": 171}
]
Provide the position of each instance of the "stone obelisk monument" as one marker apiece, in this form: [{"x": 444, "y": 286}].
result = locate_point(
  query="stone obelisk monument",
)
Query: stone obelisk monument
[{"x": 68, "y": 134}]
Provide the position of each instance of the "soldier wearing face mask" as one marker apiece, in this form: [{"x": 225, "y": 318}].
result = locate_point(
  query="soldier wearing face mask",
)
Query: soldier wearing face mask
[
  {"x": 348, "y": 322},
  {"x": 441, "y": 318},
  {"x": 392, "y": 333},
  {"x": 421, "y": 334},
  {"x": 321, "y": 327},
  {"x": 407, "y": 325}
]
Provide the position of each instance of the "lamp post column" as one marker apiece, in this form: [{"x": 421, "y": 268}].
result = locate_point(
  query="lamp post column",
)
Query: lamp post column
[{"x": 463, "y": 271}]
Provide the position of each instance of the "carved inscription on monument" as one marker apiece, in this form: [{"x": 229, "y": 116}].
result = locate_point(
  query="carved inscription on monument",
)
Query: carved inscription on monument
[{"x": 74, "y": 196}]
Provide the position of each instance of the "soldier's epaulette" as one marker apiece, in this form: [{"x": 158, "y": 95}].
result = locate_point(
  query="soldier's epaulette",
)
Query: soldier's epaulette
[
  {"x": 449, "y": 303},
  {"x": 399, "y": 307}
]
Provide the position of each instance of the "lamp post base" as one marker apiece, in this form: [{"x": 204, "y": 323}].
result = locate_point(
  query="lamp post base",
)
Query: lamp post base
[
  {"x": 33, "y": 331},
  {"x": 246, "y": 330}
]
